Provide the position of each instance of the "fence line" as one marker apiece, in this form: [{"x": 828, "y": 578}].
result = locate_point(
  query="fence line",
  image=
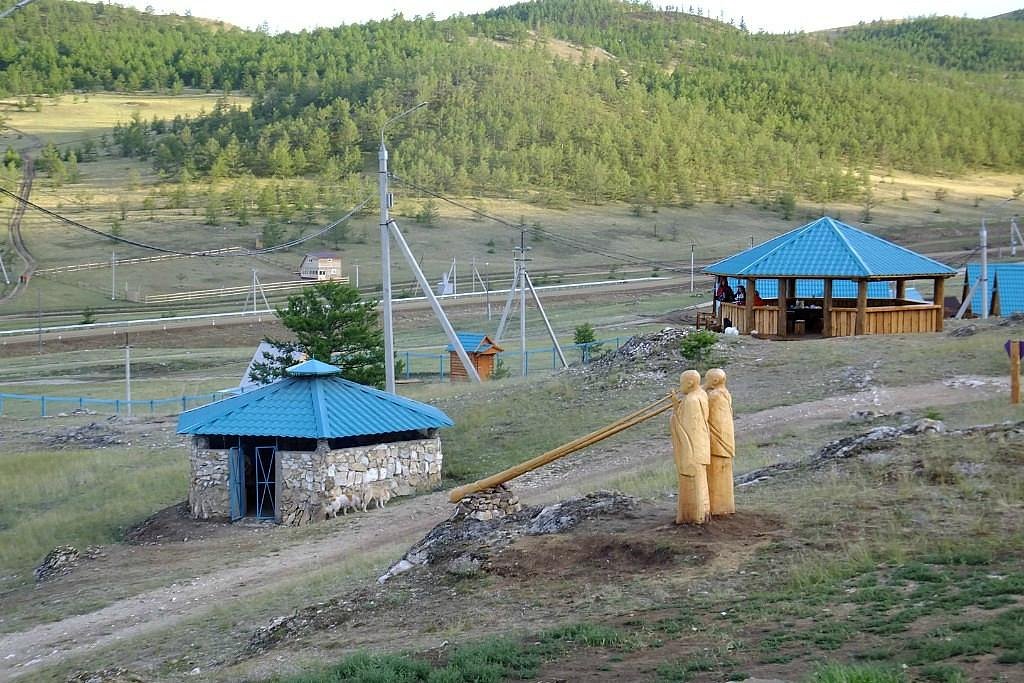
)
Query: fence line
[
  {"x": 118, "y": 404},
  {"x": 416, "y": 364}
]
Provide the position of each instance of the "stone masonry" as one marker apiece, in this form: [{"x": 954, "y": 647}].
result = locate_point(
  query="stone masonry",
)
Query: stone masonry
[
  {"x": 311, "y": 480},
  {"x": 307, "y": 481},
  {"x": 208, "y": 496}
]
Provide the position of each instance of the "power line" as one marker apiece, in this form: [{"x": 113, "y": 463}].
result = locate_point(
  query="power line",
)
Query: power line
[
  {"x": 210, "y": 254},
  {"x": 557, "y": 237}
]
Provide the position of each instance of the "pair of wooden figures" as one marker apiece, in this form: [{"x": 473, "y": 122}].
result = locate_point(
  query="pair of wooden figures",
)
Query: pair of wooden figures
[{"x": 704, "y": 445}]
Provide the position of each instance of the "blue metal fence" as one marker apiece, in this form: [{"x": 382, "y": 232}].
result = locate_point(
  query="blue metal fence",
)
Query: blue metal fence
[{"x": 51, "y": 404}]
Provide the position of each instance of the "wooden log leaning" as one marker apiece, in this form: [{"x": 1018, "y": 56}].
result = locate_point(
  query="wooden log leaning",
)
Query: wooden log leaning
[{"x": 646, "y": 413}]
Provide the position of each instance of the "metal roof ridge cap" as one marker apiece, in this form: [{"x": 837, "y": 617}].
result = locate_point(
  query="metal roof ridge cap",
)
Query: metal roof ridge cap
[
  {"x": 319, "y": 408},
  {"x": 834, "y": 224}
]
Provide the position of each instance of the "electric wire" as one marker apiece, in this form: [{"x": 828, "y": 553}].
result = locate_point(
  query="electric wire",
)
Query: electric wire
[
  {"x": 557, "y": 237},
  {"x": 165, "y": 250}
]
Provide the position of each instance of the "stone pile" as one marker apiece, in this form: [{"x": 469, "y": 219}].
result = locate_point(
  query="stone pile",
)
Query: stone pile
[
  {"x": 489, "y": 504},
  {"x": 462, "y": 542},
  {"x": 59, "y": 561}
]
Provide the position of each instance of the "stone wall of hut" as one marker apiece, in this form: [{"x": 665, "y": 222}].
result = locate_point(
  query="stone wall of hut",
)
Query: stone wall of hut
[
  {"x": 208, "y": 495},
  {"x": 308, "y": 481}
]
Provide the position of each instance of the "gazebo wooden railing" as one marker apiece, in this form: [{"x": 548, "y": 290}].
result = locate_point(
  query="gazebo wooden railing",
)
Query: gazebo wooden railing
[{"x": 893, "y": 317}]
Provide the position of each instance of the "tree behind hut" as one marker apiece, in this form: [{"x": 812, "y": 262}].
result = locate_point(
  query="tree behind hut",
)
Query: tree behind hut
[{"x": 331, "y": 324}]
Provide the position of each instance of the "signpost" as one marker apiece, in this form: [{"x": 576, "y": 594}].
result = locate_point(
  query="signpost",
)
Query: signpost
[{"x": 1015, "y": 349}]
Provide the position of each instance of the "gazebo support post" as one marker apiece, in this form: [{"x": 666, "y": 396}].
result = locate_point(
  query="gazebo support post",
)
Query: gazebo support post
[
  {"x": 826, "y": 312},
  {"x": 748, "y": 305},
  {"x": 862, "y": 307},
  {"x": 939, "y": 299},
  {"x": 783, "y": 296},
  {"x": 901, "y": 290}
]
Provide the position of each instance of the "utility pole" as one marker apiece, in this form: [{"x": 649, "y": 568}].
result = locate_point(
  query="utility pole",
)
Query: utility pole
[
  {"x": 692, "y": 247},
  {"x": 113, "y": 275},
  {"x": 39, "y": 320},
  {"x": 1014, "y": 236},
  {"x": 522, "y": 299},
  {"x": 357, "y": 276},
  {"x": 521, "y": 281},
  {"x": 385, "y": 252},
  {"x": 487, "y": 289},
  {"x": 984, "y": 270},
  {"x": 127, "y": 374}
]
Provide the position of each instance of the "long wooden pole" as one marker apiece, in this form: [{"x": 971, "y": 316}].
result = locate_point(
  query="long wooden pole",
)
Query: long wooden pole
[
  {"x": 642, "y": 415},
  {"x": 1015, "y": 371}
]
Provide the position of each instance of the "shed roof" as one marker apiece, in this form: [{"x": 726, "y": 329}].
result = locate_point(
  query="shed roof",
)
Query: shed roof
[
  {"x": 312, "y": 402},
  {"x": 1011, "y": 286},
  {"x": 829, "y": 248},
  {"x": 476, "y": 343}
]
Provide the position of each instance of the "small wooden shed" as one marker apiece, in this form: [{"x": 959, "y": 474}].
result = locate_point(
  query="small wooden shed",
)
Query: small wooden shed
[
  {"x": 481, "y": 350},
  {"x": 832, "y": 279}
]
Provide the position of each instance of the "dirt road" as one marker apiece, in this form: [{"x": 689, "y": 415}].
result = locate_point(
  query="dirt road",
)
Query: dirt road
[{"x": 22, "y": 653}]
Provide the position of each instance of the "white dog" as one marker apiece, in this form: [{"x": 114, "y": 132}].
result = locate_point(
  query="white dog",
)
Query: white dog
[{"x": 343, "y": 503}]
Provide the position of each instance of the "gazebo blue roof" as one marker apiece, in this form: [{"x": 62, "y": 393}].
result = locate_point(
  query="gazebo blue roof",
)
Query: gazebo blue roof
[
  {"x": 827, "y": 248},
  {"x": 312, "y": 402}
]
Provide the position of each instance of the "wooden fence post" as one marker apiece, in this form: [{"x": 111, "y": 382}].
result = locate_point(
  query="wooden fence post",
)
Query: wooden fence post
[{"x": 1015, "y": 371}]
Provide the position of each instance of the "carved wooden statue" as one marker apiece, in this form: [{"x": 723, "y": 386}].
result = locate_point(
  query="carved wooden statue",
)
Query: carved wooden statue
[
  {"x": 723, "y": 443},
  {"x": 691, "y": 445}
]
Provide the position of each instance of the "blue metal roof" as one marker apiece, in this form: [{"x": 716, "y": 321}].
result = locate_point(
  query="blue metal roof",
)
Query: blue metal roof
[
  {"x": 829, "y": 248},
  {"x": 474, "y": 343},
  {"x": 1011, "y": 286},
  {"x": 314, "y": 403}
]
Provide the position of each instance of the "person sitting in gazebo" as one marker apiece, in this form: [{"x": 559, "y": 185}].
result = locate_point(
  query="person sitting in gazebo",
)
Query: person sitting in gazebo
[
  {"x": 741, "y": 295},
  {"x": 758, "y": 301}
]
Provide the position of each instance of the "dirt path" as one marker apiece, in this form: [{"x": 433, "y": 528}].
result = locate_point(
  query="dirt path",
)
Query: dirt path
[
  {"x": 23, "y": 652},
  {"x": 18, "y": 212}
]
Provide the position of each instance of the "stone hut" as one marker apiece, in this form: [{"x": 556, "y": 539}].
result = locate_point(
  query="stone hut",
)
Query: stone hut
[{"x": 287, "y": 450}]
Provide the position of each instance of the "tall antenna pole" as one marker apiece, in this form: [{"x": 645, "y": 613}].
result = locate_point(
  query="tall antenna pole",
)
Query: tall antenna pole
[
  {"x": 984, "y": 269},
  {"x": 127, "y": 374},
  {"x": 385, "y": 252},
  {"x": 522, "y": 298}
]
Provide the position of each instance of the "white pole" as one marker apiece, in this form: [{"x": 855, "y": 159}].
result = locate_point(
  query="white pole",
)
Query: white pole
[
  {"x": 508, "y": 303},
  {"x": 113, "y": 275},
  {"x": 487, "y": 289},
  {"x": 449, "y": 331},
  {"x": 385, "y": 265},
  {"x": 128, "y": 375},
  {"x": 385, "y": 253},
  {"x": 547, "y": 323},
  {"x": 984, "y": 270},
  {"x": 1014, "y": 236},
  {"x": 522, "y": 301},
  {"x": 692, "y": 246}
]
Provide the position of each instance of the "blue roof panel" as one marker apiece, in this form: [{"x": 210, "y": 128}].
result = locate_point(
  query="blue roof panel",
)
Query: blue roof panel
[
  {"x": 828, "y": 248},
  {"x": 473, "y": 342},
  {"x": 1010, "y": 279},
  {"x": 315, "y": 406}
]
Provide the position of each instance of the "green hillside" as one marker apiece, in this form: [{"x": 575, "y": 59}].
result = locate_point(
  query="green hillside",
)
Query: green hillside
[{"x": 671, "y": 108}]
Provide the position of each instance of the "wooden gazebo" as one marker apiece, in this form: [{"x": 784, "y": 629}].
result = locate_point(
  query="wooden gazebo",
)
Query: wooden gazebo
[{"x": 832, "y": 279}]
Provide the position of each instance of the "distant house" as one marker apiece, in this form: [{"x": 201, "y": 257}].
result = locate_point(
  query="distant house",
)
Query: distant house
[
  {"x": 322, "y": 265},
  {"x": 481, "y": 350}
]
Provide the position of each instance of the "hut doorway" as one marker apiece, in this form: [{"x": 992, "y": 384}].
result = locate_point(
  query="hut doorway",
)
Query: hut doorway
[
  {"x": 264, "y": 458},
  {"x": 252, "y": 481}
]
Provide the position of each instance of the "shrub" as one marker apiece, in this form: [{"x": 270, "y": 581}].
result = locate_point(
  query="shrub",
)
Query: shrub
[{"x": 697, "y": 346}]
